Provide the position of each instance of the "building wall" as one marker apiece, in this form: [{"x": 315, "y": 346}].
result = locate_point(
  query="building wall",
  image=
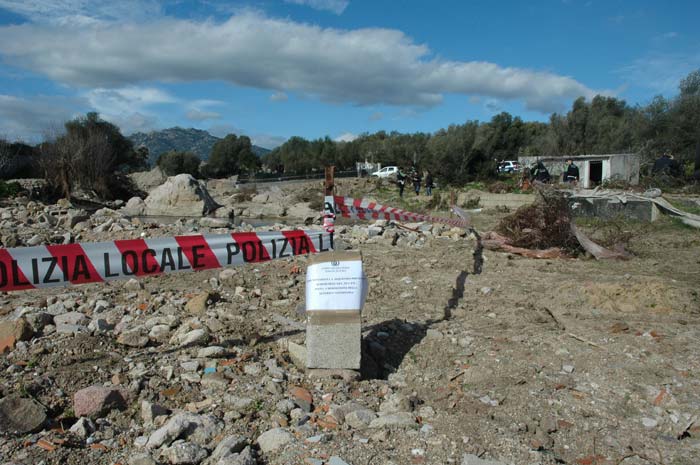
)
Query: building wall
[{"x": 624, "y": 166}]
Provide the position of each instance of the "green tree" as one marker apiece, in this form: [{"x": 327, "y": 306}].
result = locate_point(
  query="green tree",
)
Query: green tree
[
  {"x": 230, "y": 156},
  {"x": 92, "y": 154},
  {"x": 174, "y": 163}
]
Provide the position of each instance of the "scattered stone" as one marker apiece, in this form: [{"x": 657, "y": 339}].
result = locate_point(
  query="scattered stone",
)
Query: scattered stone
[
  {"x": 211, "y": 351},
  {"x": 70, "y": 323},
  {"x": 133, "y": 285},
  {"x": 228, "y": 446},
  {"x": 396, "y": 403},
  {"x": 360, "y": 419},
  {"x": 83, "y": 428},
  {"x": 568, "y": 368},
  {"x": 301, "y": 397},
  {"x": 149, "y": 411},
  {"x": 197, "y": 305},
  {"x": 649, "y": 422},
  {"x": 195, "y": 337},
  {"x": 274, "y": 439},
  {"x": 142, "y": 459},
  {"x": 199, "y": 429},
  {"x": 181, "y": 453},
  {"x": 95, "y": 401},
  {"x": 136, "y": 337},
  {"x": 20, "y": 415},
  {"x": 13, "y": 331},
  {"x": 245, "y": 457}
]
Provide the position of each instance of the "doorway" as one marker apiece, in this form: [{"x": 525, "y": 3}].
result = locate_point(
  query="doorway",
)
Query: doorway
[{"x": 595, "y": 173}]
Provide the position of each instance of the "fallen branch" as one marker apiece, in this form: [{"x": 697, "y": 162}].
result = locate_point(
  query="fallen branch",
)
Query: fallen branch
[
  {"x": 599, "y": 252},
  {"x": 494, "y": 241}
]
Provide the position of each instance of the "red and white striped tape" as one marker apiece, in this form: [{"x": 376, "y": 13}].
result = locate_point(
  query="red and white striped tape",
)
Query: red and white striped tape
[
  {"x": 60, "y": 265},
  {"x": 364, "y": 209}
]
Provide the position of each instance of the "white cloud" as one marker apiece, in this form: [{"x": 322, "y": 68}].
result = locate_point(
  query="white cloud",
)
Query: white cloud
[
  {"x": 279, "y": 97},
  {"x": 361, "y": 66},
  {"x": 129, "y": 107},
  {"x": 376, "y": 116},
  {"x": 126, "y": 99},
  {"x": 346, "y": 137},
  {"x": 82, "y": 12},
  {"x": 335, "y": 6}
]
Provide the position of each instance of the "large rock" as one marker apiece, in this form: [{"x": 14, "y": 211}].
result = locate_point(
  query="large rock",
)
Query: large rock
[
  {"x": 95, "y": 401},
  {"x": 303, "y": 212},
  {"x": 134, "y": 207},
  {"x": 180, "y": 195},
  {"x": 147, "y": 180},
  {"x": 21, "y": 415}
]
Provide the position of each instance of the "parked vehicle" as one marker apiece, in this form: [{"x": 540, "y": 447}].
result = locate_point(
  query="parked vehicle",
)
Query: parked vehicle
[
  {"x": 386, "y": 171},
  {"x": 508, "y": 167}
]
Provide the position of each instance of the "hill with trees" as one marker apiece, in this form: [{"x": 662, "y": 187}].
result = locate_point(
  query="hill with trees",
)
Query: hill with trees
[{"x": 178, "y": 139}]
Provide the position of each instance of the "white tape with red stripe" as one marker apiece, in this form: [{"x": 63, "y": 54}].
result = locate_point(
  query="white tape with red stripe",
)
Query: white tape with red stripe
[
  {"x": 59, "y": 265},
  {"x": 364, "y": 209}
]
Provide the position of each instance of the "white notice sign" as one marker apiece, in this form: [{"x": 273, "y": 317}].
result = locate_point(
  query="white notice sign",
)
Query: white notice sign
[{"x": 336, "y": 285}]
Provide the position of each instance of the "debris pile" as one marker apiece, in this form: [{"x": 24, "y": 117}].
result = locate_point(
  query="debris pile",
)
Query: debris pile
[{"x": 542, "y": 225}]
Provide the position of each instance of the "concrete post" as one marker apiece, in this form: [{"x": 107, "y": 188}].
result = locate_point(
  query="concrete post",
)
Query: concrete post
[{"x": 335, "y": 291}]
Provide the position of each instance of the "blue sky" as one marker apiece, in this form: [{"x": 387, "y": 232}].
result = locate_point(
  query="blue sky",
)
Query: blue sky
[{"x": 338, "y": 68}]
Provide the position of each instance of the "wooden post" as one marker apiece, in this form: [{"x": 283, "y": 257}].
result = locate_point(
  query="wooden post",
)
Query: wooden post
[
  {"x": 330, "y": 180},
  {"x": 328, "y": 203}
]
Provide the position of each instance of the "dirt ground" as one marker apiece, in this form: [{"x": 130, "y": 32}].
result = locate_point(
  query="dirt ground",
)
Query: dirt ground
[{"x": 530, "y": 362}]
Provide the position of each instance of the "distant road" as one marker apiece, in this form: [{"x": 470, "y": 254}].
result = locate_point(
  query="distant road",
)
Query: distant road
[{"x": 296, "y": 179}]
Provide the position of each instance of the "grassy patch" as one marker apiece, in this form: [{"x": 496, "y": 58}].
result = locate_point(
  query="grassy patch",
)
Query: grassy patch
[{"x": 688, "y": 207}]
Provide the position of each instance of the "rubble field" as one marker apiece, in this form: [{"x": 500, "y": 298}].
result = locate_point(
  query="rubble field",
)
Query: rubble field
[{"x": 562, "y": 361}]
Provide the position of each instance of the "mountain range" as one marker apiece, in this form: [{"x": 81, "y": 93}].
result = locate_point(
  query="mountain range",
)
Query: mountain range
[{"x": 197, "y": 141}]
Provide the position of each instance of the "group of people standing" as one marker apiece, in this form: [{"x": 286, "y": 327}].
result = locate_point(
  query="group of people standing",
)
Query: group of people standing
[
  {"x": 415, "y": 178},
  {"x": 539, "y": 172}
]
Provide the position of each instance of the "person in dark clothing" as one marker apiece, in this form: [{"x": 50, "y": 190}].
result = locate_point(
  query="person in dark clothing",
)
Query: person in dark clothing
[
  {"x": 401, "y": 181},
  {"x": 571, "y": 174},
  {"x": 666, "y": 165},
  {"x": 416, "y": 181},
  {"x": 539, "y": 173},
  {"x": 429, "y": 183},
  {"x": 662, "y": 164}
]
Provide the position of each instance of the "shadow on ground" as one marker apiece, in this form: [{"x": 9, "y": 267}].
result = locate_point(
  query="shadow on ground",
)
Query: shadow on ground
[{"x": 387, "y": 343}]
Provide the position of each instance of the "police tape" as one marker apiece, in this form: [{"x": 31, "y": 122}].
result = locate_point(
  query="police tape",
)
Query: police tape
[
  {"x": 24, "y": 268},
  {"x": 364, "y": 209}
]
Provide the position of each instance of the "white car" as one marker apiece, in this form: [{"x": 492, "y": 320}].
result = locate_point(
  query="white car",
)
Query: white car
[
  {"x": 386, "y": 171},
  {"x": 508, "y": 167}
]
